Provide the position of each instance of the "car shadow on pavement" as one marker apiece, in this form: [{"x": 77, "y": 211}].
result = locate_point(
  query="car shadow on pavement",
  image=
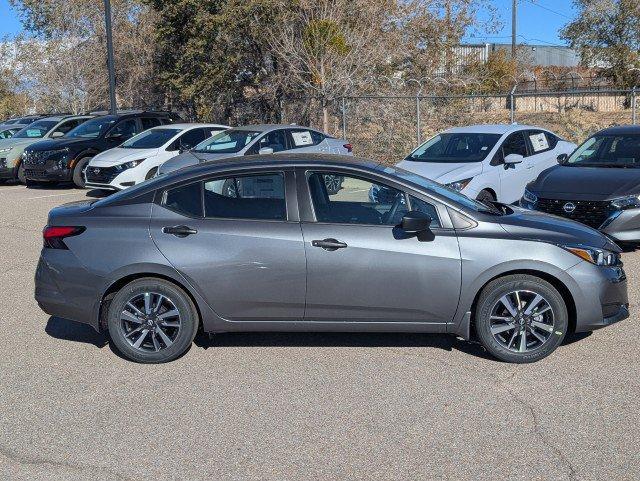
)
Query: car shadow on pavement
[
  {"x": 75, "y": 331},
  {"x": 98, "y": 193},
  {"x": 339, "y": 339}
]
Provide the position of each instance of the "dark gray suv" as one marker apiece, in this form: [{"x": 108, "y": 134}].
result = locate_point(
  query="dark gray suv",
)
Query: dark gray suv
[{"x": 278, "y": 252}]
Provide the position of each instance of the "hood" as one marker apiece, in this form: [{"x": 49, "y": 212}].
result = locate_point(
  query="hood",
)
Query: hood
[
  {"x": 189, "y": 158},
  {"x": 13, "y": 143},
  {"x": 118, "y": 156},
  {"x": 527, "y": 224},
  {"x": 443, "y": 172},
  {"x": 61, "y": 143},
  {"x": 586, "y": 183}
]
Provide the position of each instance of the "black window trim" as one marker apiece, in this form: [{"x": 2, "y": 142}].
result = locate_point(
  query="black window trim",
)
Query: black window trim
[
  {"x": 308, "y": 215},
  {"x": 293, "y": 146},
  {"x": 291, "y": 203}
]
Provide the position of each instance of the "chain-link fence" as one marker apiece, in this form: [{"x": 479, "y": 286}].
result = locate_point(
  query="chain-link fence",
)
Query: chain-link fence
[{"x": 388, "y": 127}]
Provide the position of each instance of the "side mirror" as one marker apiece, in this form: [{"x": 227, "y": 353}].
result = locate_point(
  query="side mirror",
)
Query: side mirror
[
  {"x": 513, "y": 159},
  {"x": 115, "y": 137},
  {"x": 265, "y": 151},
  {"x": 415, "y": 222},
  {"x": 57, "y": 135},
  {"x": 562, "y": 158}
]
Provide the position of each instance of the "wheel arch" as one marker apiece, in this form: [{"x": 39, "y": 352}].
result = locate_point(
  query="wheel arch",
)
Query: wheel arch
[
  {"x": 491, "y": 190},
  {"x": 119, "y": 283},
  {"x": 564, "y": 291}
]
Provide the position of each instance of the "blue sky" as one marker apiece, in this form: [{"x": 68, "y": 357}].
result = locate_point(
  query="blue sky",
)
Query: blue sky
[{"x": 536, "y": 23}]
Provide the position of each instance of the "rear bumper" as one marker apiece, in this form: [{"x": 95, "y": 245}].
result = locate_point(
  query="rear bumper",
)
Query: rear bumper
[{"x": 64, "y": 288}]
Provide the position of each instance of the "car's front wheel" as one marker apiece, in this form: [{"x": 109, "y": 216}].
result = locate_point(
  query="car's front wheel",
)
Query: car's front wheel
[
  {"x": 485, "y": 196},
  {"x": 152, "y": 321},
  {"x": 79, "y": 170},
  {"x": 521, "y": 318},
  {"x": 21, "y": 175}
]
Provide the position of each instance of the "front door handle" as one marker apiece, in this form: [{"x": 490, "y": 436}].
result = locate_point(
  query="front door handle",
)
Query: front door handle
[
  {"x": 179, "y": 230},
  {"x": 329, "y": 244}
]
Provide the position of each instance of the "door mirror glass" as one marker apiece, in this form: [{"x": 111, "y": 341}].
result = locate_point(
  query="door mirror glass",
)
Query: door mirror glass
[
  {"x": 513, "y": 159},
  {"x": 265, "y": 151},
  {"x": 114, "y": 137},
  {"x": 57, "y": 135},
  {"x": 414, "y": 222},
  {"x": 562, "y": 159}
]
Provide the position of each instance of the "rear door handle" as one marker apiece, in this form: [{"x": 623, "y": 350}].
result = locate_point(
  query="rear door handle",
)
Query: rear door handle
[
  {"x": 179, "y": 230},
  {"x": 329, "y": 244}
]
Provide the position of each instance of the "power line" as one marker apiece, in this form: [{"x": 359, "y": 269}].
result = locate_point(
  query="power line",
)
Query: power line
[{"x": 532, "y": 2}]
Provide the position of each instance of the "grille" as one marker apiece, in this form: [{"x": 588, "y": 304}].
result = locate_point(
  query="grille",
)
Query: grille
[
  {"x": 101, "y": 175},
  {"x": 31, "y": 157},
  {"x": 589, "y": 212}
]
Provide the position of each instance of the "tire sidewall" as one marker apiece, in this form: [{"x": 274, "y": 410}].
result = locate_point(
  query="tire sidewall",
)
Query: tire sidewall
[
  {"x": 20, "y": 174},
  {"x": 183, "y": 303},
  {"x": 484, "y": 196},
  {"x": 77, "y": 177},
  {"x": 496, "y": 289}
]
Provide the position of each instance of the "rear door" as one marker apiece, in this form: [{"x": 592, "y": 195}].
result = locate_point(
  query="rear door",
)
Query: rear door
[
  {"x": 541, "y": 145},
  {"x": 237, "y": 240},
  {"x": 376, "y": 274}
]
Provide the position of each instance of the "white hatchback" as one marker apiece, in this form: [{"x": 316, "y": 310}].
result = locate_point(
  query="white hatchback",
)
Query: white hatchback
[
  {"x": 487, "y": 162},
  {"x": 139, "y": 158}
]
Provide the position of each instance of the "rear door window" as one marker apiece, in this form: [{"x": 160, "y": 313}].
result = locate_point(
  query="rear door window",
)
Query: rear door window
[
  {"x": 300, "y": 138},
  {"x": 538, "y": 141},
  {"x": 257, "y": 197},
  {"x": 185, "y": 199}
]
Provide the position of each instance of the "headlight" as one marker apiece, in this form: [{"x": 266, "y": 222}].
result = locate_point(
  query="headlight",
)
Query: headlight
[
  {"x": 129, "y": 165},
  {"x": 530, "y": 196},
  {"x": 599, "y": 257},
  {"x": 4, "y": 151},
  {"x": 628, "y": 202},
  {"x": 459, "y": 184}
]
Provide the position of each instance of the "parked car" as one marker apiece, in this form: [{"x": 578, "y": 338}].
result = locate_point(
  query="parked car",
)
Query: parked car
[
  {"x": 487, "y": 162},
  {"x": 12, "y": 149},
  {"x": 598, "y": 184},
  {"x": 65, "y": 160},
  {"x": 26, "y": 120},
  {"x": 280, "y": 253},
  {"x": 138, "y": 158},
  {"x": 9, "y": 130},
  {"x": 260, "y": 139}
]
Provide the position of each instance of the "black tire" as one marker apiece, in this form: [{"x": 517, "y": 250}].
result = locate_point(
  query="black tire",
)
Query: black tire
[
  {"x": 78, "y": 172},
  {"x": 151, "y": 173},
  {"x": 333, "y": 183},
  {"x": 485, "y": 197},
  {"x": 175, "y": 299},
  {"x": 555, "y": 319},
  {"x": 20, "y": 175}
]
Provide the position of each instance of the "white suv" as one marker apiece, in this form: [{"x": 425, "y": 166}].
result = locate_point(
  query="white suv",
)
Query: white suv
[
  {"x": 487, "y": 162},
  {"x": 139, "y": 158}
]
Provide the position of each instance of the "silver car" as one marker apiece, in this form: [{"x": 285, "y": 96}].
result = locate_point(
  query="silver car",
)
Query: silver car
[{"x": 157, "y": 262}]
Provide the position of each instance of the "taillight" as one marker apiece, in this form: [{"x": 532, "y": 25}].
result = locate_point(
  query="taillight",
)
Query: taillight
[
  {"x": 54, "y": 235},
  {"x": 349, "y": 147}
]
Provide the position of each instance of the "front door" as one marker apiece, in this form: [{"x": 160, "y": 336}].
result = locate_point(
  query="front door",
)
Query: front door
[
  {"x": 515, "y": 177},
  {"x": 361, "y": 268},
  {"x": 233, "y": 241}
]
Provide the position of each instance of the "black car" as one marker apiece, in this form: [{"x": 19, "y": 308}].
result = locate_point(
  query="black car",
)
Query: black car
[
  {"x": 65, "y": 159},
  {"x": 598, "y": 184}
]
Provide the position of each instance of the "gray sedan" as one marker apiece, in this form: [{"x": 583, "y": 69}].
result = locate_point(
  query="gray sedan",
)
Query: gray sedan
[{"x": 277, "y": 252}]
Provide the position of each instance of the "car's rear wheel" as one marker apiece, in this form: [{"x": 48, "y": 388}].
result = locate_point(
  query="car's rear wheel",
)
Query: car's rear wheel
[
  {"x": 152, "y": 321},
  {"x": 78, "y": 172},
  {"x": 521, "y": 318},
  {"x": 485, "y": 197}
]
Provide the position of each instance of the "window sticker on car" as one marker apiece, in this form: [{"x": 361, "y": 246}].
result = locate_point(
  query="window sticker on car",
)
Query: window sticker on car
[
  {"x": 539, "y": 142},
  {"x": 302, "y": 138}
]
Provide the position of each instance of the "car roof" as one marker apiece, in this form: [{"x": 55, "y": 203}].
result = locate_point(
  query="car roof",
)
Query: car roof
[
  {"x": 269, "y": 127},
  {"x": 493, "y": 128},
  {"x": 59, "y": 118},
  {"x": 188, "y": 125},
  {"x": 621, "y": 130}
]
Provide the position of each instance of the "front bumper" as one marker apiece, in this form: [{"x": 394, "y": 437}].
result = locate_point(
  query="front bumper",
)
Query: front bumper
[
  {"x": 46, "y": 174},
  {"x": 600, "y": 296},
  {"x": 8, "y": 172}
]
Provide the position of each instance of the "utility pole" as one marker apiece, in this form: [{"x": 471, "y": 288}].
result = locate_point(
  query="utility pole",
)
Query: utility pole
[
  {"x": 514, "y": 16},
  {"x": 110, "y": 66}
]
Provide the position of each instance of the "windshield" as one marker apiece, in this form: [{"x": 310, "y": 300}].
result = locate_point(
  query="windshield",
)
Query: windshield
[
  {"x": 36, "y": 130},
  {"x": 607, "y": 151},
  {"x": 7, "y": 133},
  {"x": 227, "y": 142},
  {"x": 150, "y": 139},
  {"x": 442, "y": 190},
  {"x": 92, "y": 129},
  {"x": 455, "y": 147}
]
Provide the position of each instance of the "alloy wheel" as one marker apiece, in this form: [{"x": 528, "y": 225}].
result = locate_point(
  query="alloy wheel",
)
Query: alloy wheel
[
  {"x": 522, "y": 321},
  {"x": 150, "y": 322}
]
